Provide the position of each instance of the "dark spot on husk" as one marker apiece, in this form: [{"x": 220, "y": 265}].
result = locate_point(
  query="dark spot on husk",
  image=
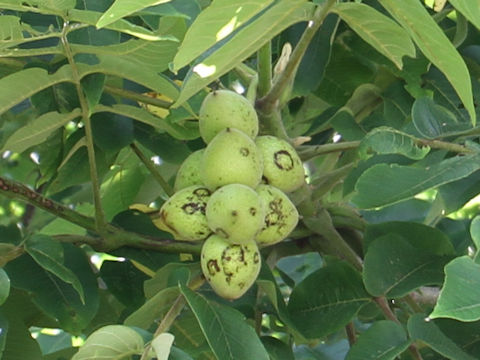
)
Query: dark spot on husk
[
  {"x": 244, "y": 151},
  {"x": 283, "y": 160},
  {"x": 212, "y": 266}
]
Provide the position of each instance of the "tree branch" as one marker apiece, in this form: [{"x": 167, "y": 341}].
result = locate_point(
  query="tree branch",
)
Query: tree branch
[{"x": 110, "y": 239}]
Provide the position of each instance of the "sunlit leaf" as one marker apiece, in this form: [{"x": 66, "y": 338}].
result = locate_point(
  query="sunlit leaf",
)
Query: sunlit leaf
[
  {"x": 4, "y": 287},
  {"x": 226, "y": 330},
  {"x": 385, "y": 140},
  {"x": 470, "y": 9},
  {"x": 111, "y": 342},
  {"x": 216, "y": 22},
  {"x": 420, "y": 328},
  {"x": 38, "y": 130},
  {"x": 122, "y": 8},
  {"x": 378, "y": 30},
  {"x": 459, "y": 298},
  {"x": 222, "y": 58},
  {"x": 435, "y": 45},
  {"x": 385, "y": 184}
]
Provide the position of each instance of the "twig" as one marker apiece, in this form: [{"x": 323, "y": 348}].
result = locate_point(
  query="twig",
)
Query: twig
[
  {"x": 264, "y": 61},
  {"x": 389, "y": 314},
  {"x": 350, "y": 330},
  {"x": 153, "y": 170},
  {"x": 167, "y": 321},
  {"x": 100, "y": 222},
  {"x": 172, "y": 314},
  {"x": 307, "y": 152},
  {"x": 145, "y": 99},
  {"x": 438, "y": 144}
]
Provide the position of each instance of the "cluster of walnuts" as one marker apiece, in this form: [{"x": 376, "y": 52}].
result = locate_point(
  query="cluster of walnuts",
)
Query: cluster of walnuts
[{"x": 232, "y": 193}]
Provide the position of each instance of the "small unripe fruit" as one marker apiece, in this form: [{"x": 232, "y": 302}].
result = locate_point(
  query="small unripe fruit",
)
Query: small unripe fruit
[
  {"x": 230, "y": 269},
  {"x": 189, "y": 172},
  {"x": 224, "y": 108},
  {"x": 281, "y": 216},
  {"x": 231, "y": 158},
  {"x": 183, "y": 214},
  {"x": 282, "y": 166},
  {"x": 236, "y": 213}
]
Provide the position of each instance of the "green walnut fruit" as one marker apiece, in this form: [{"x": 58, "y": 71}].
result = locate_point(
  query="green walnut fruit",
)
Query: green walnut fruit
[
  {"x": 224, "y": 108},
  {"x": 231, "y": 158},
  {"x": 236, "y": 213},
  {"x": 189, "y": 172},
  {"x": 282, "y": 166},
  {"x": 183, "y": 214},
  {"x": 281, "y": 216},
  {"x": 230, "y": 269}
]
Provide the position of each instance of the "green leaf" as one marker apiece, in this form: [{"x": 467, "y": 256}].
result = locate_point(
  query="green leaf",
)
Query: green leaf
[
  {"x": 385, "y": 184},
  {"x": 378, "y": 30},
  {"x": 39, "y": 6},
  {"x": 122, "y": 184},
  {"x": 177, "y": 130},
  {"x": 111, "y": 342},
  {"x": 456, "y": 194},
  {"x": 420, "y": 328},
  {"x": 162, "y": 345},
  {"x": 124, "y": 281},
  {"x": 4, "y": 287},
  {"x": 384, "y": 340},
  {"x": 19, "y": 343},
  {"x": 385, "y": 140},
  {"x": 470, "y": 9},
  {"x": 435, "y": 45},
  {"x": 394, "y": 268},
  {"x": 120, "y": 25},
  {"x": 55, "y": 297},
  {"x": 74, "y": 169},
  {"x": 464, "y": 334},
  {"x": 433, "y": 120},
  {"x": 130, "y": 69},
  {"x": 277, "y": 349},
  {"x": 170, "y": 275},
  {"x": 3, "y": 332},
  {"x": 216, "y": 22},
  {"x": 106, "y": 123},
  {"x": 445, "y": 95},
  {"x": 48, "y": 253},
  {"x": 475, "y": 231},
  {"x": 459, "y": 298},
  {"x": 153, "y": 309},
  {"x": 38, "y": 130},
  {"x": 423, "y": 237},
  {"x": 318, "y": 311},
  {"x": 245, "y": 42},
  {"x": 21, "y": 85},
  {"x": 314, "y": 62},
  {"x": 227, "y": 333},
  {"x": 93, "y": 88},
  {"x": 122, "y": 8}
]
